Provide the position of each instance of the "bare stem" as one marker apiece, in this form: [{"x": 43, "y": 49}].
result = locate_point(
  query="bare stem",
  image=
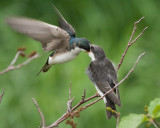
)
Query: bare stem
[
  {"x": 130, "y": 41},
  {"x": 2, "y": 95},
  {"x": 42, "y": 117},
  {"x": 118, "y": 116},
  {"x": 154, "y": 124},
  {"x": 12, "y": 67},
  {"x": 66, "y": 115},
  {"x": 69, "y": 103}
]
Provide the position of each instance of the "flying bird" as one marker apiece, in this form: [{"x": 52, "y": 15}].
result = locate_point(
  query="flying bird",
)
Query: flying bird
[
  {"x": 59, "y": 39},
  {"x": 103, "y": 75}
]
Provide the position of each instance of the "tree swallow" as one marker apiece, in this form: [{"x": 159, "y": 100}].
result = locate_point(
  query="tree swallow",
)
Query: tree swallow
[
  {"x": 61, "y": 40},
  {"x": 102, "y": 73}
]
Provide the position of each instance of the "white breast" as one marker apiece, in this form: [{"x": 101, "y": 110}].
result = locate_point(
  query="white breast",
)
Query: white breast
[
  {"x": 64, "y": 57},
  {"x": 100, "y": 93},
  {"x": 91, "y": 55}
]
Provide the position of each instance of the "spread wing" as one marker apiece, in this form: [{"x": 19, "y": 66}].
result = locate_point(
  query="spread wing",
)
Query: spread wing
[
  {"x": 102, "y": 75},
  {"x": 63, "y": 23},
  {"x": 50, "y": 36}
]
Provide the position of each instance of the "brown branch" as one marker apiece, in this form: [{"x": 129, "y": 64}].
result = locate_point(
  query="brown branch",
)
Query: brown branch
[
  {"x": 130, "y": 41},
  {"x": 69, "y": 103},
  {"x": 154, "y": 124},
  {"x": 151, "y": 120},
  {"x": 66, "y": 115},
  {"x": 118, "y": 116},
  {"x": 2, "y": 95},
  {"x": 12, "y": 67},
  {"x": 42, "y": 117},
  {"x": 157, "y": 122}
]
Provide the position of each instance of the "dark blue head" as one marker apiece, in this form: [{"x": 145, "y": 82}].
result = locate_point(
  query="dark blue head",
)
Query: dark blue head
[{"x": 83, "y": 44}]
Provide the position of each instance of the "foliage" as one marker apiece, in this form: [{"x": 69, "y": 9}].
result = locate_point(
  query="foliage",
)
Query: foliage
[
  {"x": 135, "y": 120},
  {"x": 154, "y": 108},
  {"x": 131, "y": 121}
]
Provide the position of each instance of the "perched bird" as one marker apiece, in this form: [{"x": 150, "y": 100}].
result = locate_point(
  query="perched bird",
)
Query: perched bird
[
  {"x": 61, "y": 40},
  {"x": 103, "y": 75}
]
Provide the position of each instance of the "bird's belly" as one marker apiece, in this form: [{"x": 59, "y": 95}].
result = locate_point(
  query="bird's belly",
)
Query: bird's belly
[{"x": 63, "y": 57}]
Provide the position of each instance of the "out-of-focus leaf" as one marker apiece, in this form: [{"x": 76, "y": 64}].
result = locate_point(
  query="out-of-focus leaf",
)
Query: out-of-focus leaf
[
  {"x": 154, "y": 108},
  {"x": 132, "y": 121}
]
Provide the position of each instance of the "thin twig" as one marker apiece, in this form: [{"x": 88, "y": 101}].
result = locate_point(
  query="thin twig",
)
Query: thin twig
[
  {"x": 2, "y": 95},
  {"x": 66, "y": 115},
  {"x": 130, "y": 41},
  {"x": 15, "y": 58},
  {"x": 69, "y": 103},
  {"x": 85, "y": 100},
  {"x": 40, "y": 126},
  {"x": 70, "y": 92},
  {"x": 118, "y": 116},
  {"x": 12, "y": 67},
  {"x": 154, "y": 124},
  {"x": 42, "y": 117}
]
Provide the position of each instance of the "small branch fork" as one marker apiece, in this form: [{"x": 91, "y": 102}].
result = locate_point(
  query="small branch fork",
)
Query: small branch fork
[
  {"x": 130, "y": 41},
  {"x": 20, "y": 52},
  {"x": 42, "y": 117},
  {"x": 69, "y": 103},
  {"x": 152, "y": 121},
  {"x": 73, "y": 111},
  {"x": 2, "y": 95}
]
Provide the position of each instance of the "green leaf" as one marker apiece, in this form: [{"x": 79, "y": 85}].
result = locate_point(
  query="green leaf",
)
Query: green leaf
[
  {"x": 154, "y": 108},
  {"x": 132, "y": 121}
]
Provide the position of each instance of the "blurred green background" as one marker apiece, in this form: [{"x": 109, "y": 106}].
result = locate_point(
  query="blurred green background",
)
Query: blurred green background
[{"x": 107, "y": 23}]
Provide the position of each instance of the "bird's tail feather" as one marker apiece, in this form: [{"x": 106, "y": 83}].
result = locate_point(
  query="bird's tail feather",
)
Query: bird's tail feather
[
  {"x": 45, "y": 68},
  {"x": 112, "y": 106}
]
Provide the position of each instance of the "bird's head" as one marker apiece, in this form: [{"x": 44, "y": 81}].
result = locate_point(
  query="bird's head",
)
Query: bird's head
[
  {"x": 83, "y": 44},
  {"x": 96, "y": 52}
]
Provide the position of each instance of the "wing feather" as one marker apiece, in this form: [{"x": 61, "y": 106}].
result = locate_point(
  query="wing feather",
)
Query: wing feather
[
  {"x": 50, "y": 36},
  {"x": 63, "y": 23}
]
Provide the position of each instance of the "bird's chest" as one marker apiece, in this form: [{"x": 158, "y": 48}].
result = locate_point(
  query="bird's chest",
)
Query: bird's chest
[{"x": 64, "y": 57}]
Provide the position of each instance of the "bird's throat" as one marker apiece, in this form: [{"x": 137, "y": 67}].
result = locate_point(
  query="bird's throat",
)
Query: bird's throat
[{"x": 91, "y": 55}]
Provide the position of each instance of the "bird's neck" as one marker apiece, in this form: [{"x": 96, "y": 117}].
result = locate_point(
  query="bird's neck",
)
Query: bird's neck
[
  {"x": 71, "y": 40},
  {"x": 74, "y": 41}
]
